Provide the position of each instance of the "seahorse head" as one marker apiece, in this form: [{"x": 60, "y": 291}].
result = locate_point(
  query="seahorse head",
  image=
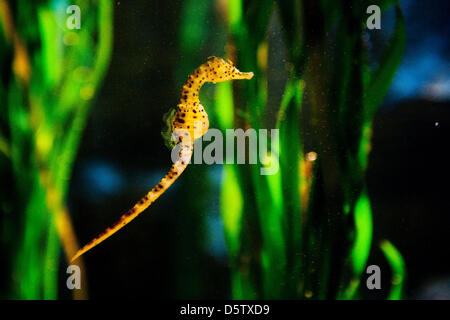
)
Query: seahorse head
[{"x": 222, "y": 70}]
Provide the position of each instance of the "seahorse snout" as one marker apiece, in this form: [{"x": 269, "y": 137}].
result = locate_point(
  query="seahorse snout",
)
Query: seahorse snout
[{"x": 243, "y": 75}]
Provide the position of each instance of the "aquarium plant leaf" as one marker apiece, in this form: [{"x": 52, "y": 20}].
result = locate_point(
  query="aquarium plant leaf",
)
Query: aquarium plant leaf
[
  {"x": 363, "y": 230},
  {"x": 381, "y": 77},
  {"x": 397, "y": 264}
]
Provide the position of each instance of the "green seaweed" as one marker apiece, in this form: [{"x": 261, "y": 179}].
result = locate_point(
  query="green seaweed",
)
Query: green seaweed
[
  {"x": 47, "y": 98},
  {"x": 305, "y": 232}
]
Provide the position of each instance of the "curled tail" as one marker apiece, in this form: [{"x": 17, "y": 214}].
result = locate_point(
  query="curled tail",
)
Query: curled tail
[{"x": 175, "y": 171}]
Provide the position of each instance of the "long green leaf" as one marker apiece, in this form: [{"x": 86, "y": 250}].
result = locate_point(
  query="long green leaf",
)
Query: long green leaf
[{"x": 398, "y": 268}]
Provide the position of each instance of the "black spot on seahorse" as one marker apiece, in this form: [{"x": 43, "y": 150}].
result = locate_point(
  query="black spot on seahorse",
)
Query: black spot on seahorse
[{"x": 130, "y": 212}]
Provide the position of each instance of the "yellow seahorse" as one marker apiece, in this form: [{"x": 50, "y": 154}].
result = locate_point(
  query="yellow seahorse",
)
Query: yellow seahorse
[{"x": 188, "y": 120}]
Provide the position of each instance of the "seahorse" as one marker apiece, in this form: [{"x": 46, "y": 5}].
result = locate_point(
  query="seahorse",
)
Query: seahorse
[{"x": 187, "y": 122}]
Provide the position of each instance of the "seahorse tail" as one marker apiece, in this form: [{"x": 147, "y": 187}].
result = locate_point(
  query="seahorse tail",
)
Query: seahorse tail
[{"x": 175, "y": 171}]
